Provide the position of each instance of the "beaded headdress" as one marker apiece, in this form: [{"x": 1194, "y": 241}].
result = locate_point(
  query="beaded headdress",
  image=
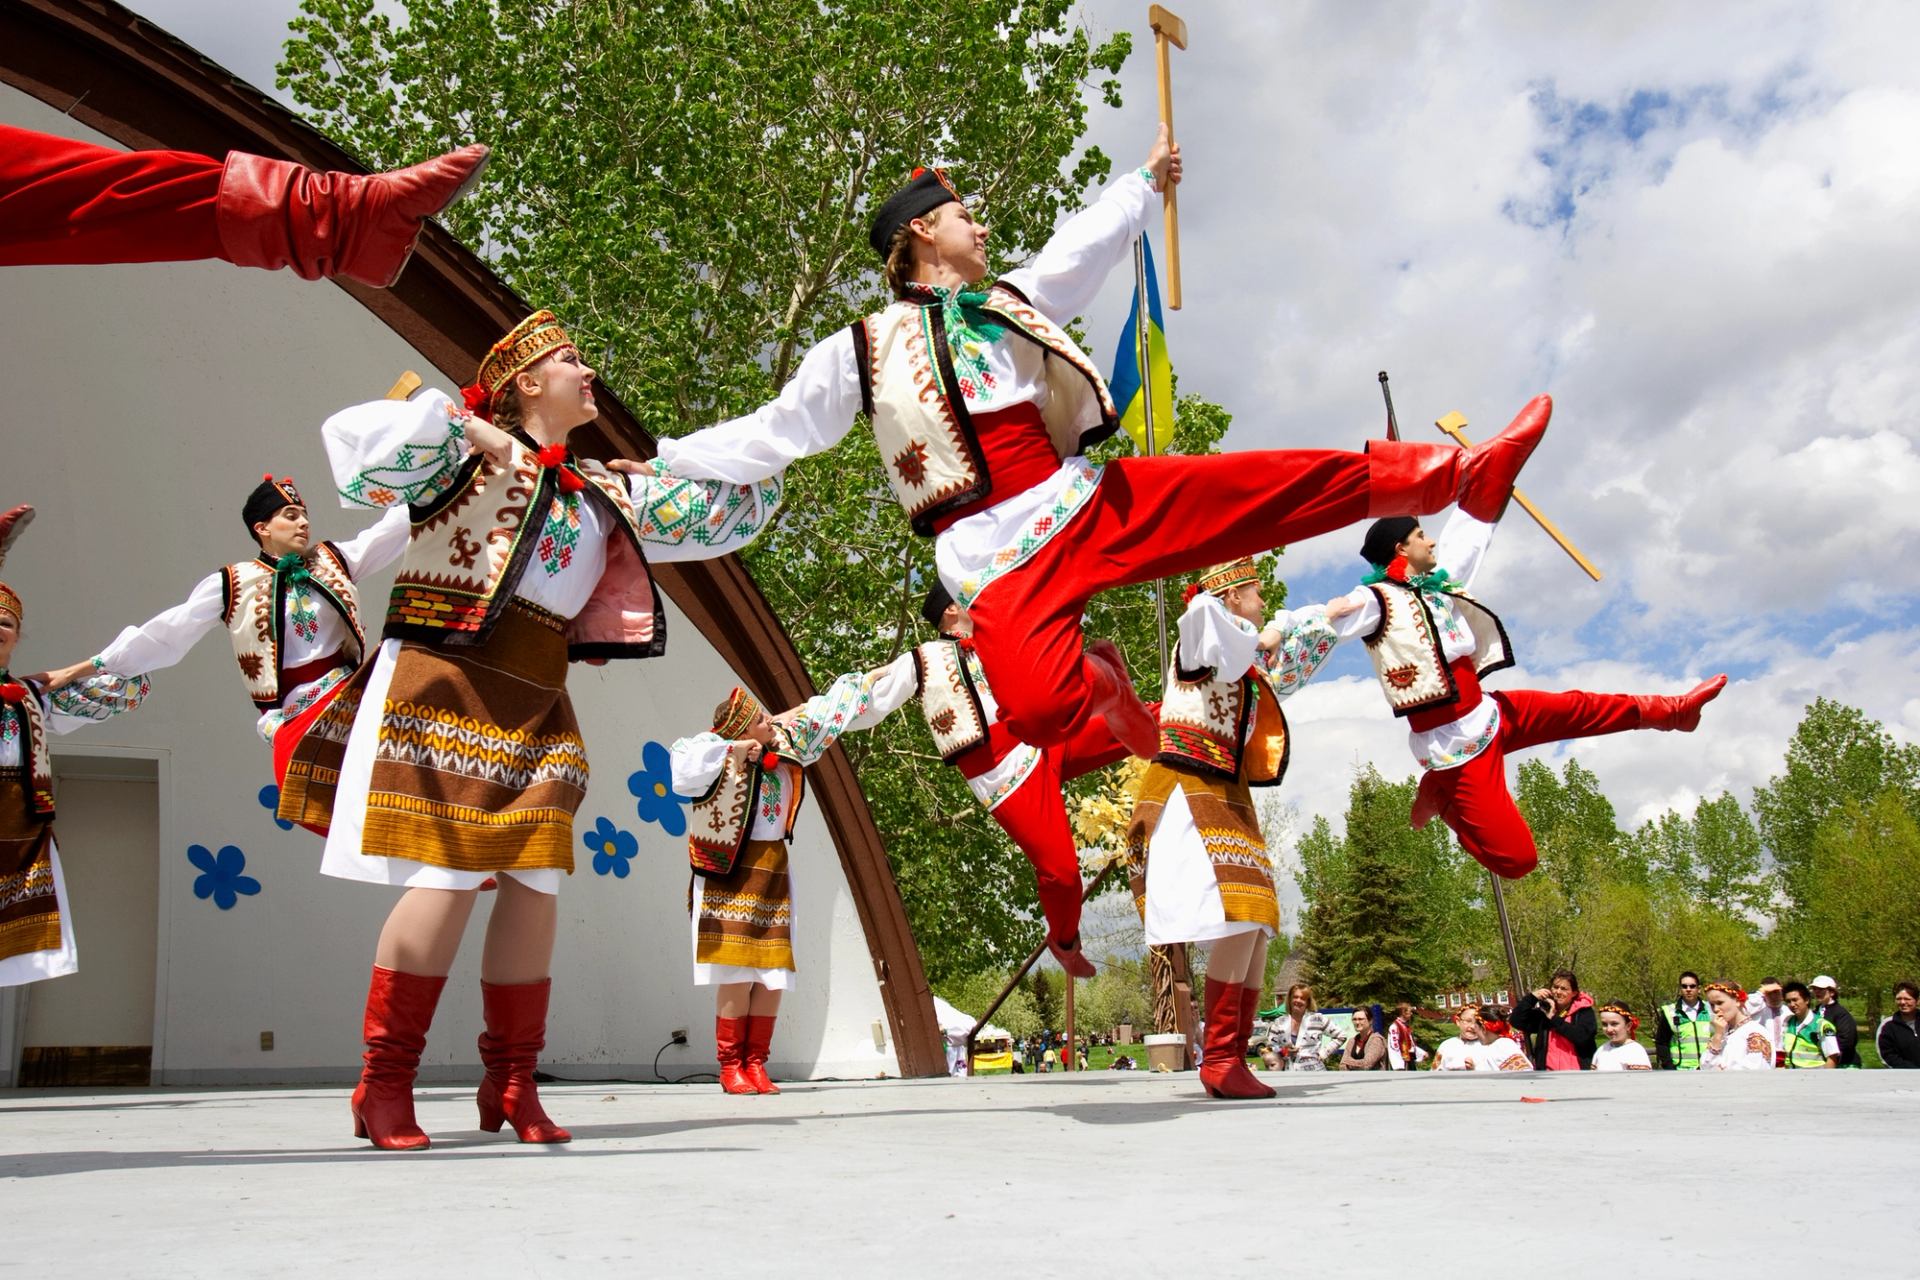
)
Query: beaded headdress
[
  {"x": 1223, "y": 577},
  {"x": 1633, "y": 1023},
  {"x": 11, "y": 524},
  {"x": 739, "y": 714},
  {"x": 1733, "y": 989},
  {"x": 526, "y": 344}
]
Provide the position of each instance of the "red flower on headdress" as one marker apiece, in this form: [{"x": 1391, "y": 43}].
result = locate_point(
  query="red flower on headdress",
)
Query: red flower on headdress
[
  {"x": 1193, "y": 589},
  {"x": 13, "y": 691},
  {"x": 476, "y": 398}
]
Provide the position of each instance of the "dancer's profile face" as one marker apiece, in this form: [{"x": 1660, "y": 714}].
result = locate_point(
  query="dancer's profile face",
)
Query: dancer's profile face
[
  {"x": 9, "y": 636},
  {"x": 1245, "y": 603},
  {"x": 1417, "y": 551},
  {"x": 955, "y": 239},
  {"x": 560, "y": 389},
  {"x": 956, "y": 621},
  {"x": 286, "y": 533}
]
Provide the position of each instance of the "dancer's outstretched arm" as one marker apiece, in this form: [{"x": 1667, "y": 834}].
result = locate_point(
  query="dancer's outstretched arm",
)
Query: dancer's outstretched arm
[{"x": 683, "y": 519}]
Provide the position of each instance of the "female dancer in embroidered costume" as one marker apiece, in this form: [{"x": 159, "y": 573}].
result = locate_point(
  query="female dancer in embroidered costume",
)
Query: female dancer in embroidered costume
[
  {"x": 292, "y": 613},
  {"x": 36, "y": 928},
  {"x": 1430, "y": 642},
  {"x": 1196, "y": 856},
  {"x": 63, "y": 201},
  {"x": 982, "y": 407},
  {"x": 1020, "y": 785},
  {"x": 454, "y": 755},
  {"x": 746, "y": 783}
]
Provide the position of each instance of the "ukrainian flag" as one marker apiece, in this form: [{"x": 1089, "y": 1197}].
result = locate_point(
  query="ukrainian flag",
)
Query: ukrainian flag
[{"x": 1125, "y": 383}]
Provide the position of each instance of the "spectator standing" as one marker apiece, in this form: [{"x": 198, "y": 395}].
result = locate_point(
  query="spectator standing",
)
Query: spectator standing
[
  {"x": 1367, "y": 1047},
  {"x": 1306, "y": 1037},
  {"x": 1403, "y": 1051},
  {"x": 1737, "y": 1043},
  {"x": 1898, "y": 1038},
  {"x": 1826, "y": 998},
  {"x": 1682, "y": 1028},
  {"x": 1807, "y": 1039},
  {"x": 1559, "y": 1023},
  {"x": 1620, "y": 1051},
  {"x": 1768, "y": 1007},
  {"x": 1474, "y": 1049}
]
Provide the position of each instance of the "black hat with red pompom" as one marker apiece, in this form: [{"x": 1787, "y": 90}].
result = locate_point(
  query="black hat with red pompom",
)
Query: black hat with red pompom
[{"x": 927, "y": 191}]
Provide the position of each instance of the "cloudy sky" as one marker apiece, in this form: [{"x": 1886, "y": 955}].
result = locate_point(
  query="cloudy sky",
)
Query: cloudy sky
[{"x": 1693, "y": 225}]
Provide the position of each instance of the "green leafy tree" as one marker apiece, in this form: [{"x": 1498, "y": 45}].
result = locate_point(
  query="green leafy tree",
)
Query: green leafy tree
[
  {"x": 1838, "y": 754},
  {"x": 690, "y": 186},
  {"x": 1862, "y": 881}
]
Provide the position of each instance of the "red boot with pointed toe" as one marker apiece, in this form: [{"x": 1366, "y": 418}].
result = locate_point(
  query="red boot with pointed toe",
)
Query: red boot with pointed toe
[
  {"x": 730, "y": 1047},
  {"x": 1678, "y": 714},
  {"x": 399, "y": 1010},
  {"x": 759, "y": 1045},
  {"x": 274, "y": 213},
  {"x": 1491, "y": 467},
  {"x": 1219, "y": 1048},
  {"x": 1249, "y": 1007},
  {"x": 1114, "y": 697},
  {"x": 516, "y": 1016}
]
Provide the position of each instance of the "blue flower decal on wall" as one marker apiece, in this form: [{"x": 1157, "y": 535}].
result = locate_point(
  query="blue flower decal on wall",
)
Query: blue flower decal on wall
[
  {"x": 270, "y": 801},
  {"x": 652, "y": 787},
  {"x": 613, "y": 849},
  {"x": 221, "y": 877}
]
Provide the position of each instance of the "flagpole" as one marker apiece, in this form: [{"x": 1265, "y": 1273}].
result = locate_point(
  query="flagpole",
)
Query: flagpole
[{"x": 1142, "y": 339}]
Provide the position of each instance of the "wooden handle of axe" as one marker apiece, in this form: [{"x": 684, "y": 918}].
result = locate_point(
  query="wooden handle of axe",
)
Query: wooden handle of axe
[
  {"x": 1452, "y": 425},
  {"x": 1168, "y": 30},
  {"x": 404, "y": 386}
]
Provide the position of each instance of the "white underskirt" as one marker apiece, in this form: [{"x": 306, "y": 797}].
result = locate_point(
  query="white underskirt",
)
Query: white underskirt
[
  {"x": 1183, "y": 894},
  {"x": 343, "y": 857},
  {"x": 714, "y": 975},
  {"x": 17, "y": 971}
]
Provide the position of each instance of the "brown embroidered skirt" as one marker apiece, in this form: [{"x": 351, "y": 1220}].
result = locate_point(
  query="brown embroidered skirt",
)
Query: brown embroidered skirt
[
  {"x": 476, "y": 763},
  {"x": 30, "y": 915},
  {"x": 1197, "y": 860},
  {"x": 743, "y": 921}
]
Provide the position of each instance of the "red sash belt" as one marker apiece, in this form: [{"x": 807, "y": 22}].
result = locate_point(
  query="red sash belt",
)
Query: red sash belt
[
  {"x": 292, "y": 678},
  {"x": 1467, "y": 681},
  {"x": 1016, "y": 452}
]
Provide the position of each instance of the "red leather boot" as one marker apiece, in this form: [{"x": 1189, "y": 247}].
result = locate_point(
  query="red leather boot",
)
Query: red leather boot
[
  {"x": 1071, "y": 957},
  {"x": 516, "y": 1017},
  {"x": 729, "y": 1042},
  {"x": 1223, "y": 1031},
  {"x": 1114, "y": 697},
  {"x": 274, "y": 213},
  {"x": 1406, "y": 479},
  {"x": 1663, "y": 711},
  {"x": 399, "y": 1010},
  {"x": 759, "y": 1045},
  {"x": 1249, "y": 1006}
]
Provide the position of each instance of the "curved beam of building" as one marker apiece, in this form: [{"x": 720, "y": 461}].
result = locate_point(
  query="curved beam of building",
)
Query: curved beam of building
[{"x": 121, "y": 75}]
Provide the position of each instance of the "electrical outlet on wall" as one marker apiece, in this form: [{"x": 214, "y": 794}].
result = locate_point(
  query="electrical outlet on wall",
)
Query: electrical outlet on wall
[
  {"x": 679, "y": 1035},
  {"x": 266, "y": 1041}
]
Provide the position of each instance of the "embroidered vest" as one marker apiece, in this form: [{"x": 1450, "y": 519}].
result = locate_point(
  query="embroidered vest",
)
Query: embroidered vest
[
  {"x": 1406, "y": 653},
  {"x": 33, "y": 750},
  {"x": 921, "y": 424},
  {"x": 949, "y": 698},
  {"x": 721, "y": 821},
  {"x": 255, "y": 613},
  {"x": 1204, "y": 725},
  {"x": 471, "y": 544}
]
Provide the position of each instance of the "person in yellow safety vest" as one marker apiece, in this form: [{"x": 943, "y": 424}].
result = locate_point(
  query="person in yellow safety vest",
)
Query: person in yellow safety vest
[
  {"x": 1683, "y": 1028},
  {"x": 1807, "y": 1039}
]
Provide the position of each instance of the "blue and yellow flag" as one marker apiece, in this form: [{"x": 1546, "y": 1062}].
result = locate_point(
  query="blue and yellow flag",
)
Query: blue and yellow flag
[{"x": 1125, "y": 383}]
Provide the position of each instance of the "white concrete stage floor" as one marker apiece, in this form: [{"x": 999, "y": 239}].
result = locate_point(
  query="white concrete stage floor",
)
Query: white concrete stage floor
[{"x": 1095, "y": 1174}]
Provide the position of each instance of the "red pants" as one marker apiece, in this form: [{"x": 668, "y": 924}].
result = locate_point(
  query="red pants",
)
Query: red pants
[
  {"x": 1149, "y": 518},
  {"x": 73, "y": 202},
  {"x": 1035, "y": 816},
  {"x": 1473, "y": 799}
]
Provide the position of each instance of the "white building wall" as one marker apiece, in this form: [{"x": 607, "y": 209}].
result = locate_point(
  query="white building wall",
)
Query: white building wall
[{"x": 141, "y": 404}]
